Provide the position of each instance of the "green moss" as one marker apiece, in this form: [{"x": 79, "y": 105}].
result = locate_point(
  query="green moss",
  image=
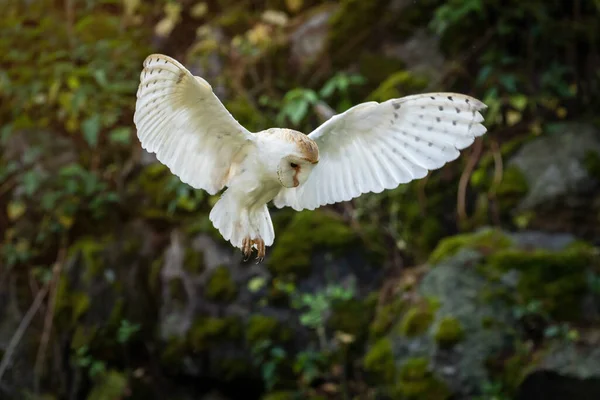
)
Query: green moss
[
  {"x": 112, "y": 385},
  {"x": 485, "y": 241},
  {"x": 206, "y": 331},
  {"x": 220, "y": 285},
  {"x": 154, "y": 275},
  {"x": 385, "y": 317},
  {"x": 153, "y": 180},
  {"x": 80, "y": 303},
  {"x": 90, "y": 251},
  {"x": 379, "y": 361},
  {"x": 174, "y": 351},
  {"x": 306, "y": 232},
  {"x": 70, "y": 305},
  {"x": 193, "y": 261},
  {"x": 261, "y": 327},
  {"x": 397, "y": 85},
  {"x": 449, "y": 332},
  {"x": 512, "y": 188},
  {"x": 231, "y": 368},
  {"x": 416, "y": 321},
  {"x": 377, "y": 67},
  {"x": 281, "y": 395},
  {"x": 351, "y": 316},
  {"x": 416, "y": 382},
  {"x": 177, "y": 290},
  {"x": 83, "y": 336},
  {"x": 591, "y": 163},
  {"x": 555, "y": 278}
]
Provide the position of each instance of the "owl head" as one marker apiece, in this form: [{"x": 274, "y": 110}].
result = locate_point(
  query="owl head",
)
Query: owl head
[{"x": 302, "y": 156}]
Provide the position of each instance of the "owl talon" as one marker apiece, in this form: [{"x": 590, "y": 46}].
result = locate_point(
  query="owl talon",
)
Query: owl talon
[{"x": 247, "y": 245}]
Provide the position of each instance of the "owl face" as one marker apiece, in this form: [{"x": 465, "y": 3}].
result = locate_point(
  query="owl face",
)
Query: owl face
[{"x": 293, "y": 171}]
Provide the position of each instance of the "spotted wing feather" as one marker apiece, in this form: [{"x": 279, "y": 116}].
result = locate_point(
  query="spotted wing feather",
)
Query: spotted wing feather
[{"x": 376, "y": 146}]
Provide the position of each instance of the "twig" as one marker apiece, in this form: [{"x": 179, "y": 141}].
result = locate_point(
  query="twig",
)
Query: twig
[
  {"x": 464, "y": 180},
  {"x": 41, "y": 354},
  {"x": 16, "y": 338}
]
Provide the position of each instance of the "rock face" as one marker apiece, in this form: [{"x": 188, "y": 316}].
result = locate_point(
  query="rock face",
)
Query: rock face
[
  {"x": 489, "y": 317},
  {"x": 557, "y": 166},
  {"x": 560, "y": 176},
  {"x": 460, "y": 291}
]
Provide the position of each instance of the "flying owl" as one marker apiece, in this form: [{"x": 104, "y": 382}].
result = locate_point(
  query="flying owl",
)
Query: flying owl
[{"x": 368, "y": 148}]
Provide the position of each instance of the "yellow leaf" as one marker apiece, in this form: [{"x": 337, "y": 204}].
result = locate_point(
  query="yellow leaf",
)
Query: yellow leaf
[
  {"x": 73, "y": 82},
  {"x": 561, "y": 112},
  {"x": 172, "y": 15},
  {"x": 513, "y": 117},
  {"x": 294, "y": 5},
  {"x": 129, "y": 7},
  {"x": 66, "y": 220},
  {"x": 15, "y": 209},
  {"x": 536, "y": 128},
  {"x": 344, "y": 337},
  {"x": 199, "y": 10},
  {"x": 275, "y": 17}
]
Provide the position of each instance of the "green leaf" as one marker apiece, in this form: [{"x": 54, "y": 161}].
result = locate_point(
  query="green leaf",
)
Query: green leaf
[
  {"x": 91, "y": 130},
  {"x": 121, "y": 135},
  {"x": 256, "y": 283}
]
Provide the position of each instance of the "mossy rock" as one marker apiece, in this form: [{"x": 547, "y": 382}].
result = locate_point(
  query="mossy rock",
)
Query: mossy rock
[
  {"x": 232, "y": 368},
  {"x": 111, "y": 385},
  {"x": 177, "y": 290},
  {"x": 416, "y": 382},
  {"x": 591, "y": 162},
  {"x": 485, "y": 241},
  {"x": 307, "y": 232},
  {"x": 262, "y": 327},
  {"x": 220, "y": 286},
  {"x": 416, "y": 320},
  {"x": 379, "y": 361},
  {"x": 206, "y": 331},
  {"x": 386, "y": 316},
  {"x": 352, "y": 316},
  {"x": 558, "y": 279},
  {"x": 449, "y": 331},
  {"x": 512, "y": 189},
  {"x": 193, "y": 261},
  {"x": 174, "y": 351}
]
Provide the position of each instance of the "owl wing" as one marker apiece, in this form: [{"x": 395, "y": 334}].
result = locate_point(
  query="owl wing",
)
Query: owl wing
[
  {"x": 179, "y": 118},
  {"x": 376, "y": 146}
]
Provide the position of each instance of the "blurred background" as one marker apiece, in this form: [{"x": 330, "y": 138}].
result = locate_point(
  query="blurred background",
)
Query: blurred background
[{"x": 480, "y": 281}]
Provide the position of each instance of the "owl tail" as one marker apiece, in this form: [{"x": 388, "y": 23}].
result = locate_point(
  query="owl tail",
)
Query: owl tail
[{"x": 244, "y": 227}]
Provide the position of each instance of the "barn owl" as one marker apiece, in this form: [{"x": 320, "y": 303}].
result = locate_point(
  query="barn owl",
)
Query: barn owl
[{"x": 368, "y": 148}]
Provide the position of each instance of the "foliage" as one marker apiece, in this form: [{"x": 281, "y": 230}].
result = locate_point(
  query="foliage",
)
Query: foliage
[{"x": 72, "y": 177}]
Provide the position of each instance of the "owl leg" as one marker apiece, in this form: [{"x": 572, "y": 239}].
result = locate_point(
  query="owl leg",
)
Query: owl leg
[
  {"x": 247, "y": 247},
  {"x": 261, "y": 248}
]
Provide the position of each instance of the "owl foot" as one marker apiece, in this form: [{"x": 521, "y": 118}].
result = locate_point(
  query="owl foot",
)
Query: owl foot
[{"x": 247, "y": 245}]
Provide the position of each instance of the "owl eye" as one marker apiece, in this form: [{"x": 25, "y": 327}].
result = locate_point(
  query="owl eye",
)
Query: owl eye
[{"x": 293, "y": 165}]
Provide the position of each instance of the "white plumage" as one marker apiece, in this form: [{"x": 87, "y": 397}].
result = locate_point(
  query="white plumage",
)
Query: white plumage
[{"x": 369, "y": 148}]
